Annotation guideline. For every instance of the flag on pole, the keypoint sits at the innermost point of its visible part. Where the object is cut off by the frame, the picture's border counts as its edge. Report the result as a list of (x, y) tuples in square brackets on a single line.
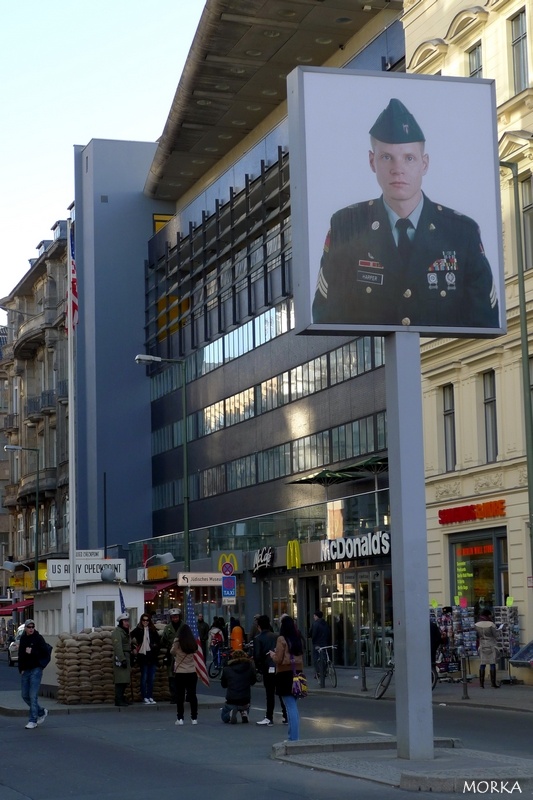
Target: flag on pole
[(122, 603), (199, 659), (72, 315)]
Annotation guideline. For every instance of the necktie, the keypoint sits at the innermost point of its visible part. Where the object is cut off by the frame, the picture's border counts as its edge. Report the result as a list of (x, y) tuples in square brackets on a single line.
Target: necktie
[(404, 243)]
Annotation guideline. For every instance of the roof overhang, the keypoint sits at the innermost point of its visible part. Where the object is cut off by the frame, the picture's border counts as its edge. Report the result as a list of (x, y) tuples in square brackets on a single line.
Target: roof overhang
[(235, 76)]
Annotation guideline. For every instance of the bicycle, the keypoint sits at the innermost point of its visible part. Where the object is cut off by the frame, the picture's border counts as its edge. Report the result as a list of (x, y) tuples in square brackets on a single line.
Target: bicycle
[(384, 683), (220, 659), (325, 663)]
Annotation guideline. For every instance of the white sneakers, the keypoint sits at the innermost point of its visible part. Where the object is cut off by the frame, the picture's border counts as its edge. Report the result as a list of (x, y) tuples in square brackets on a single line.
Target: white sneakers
[(264, 721), (179, 722), (40, 720), (146, 701), (30, 726), (194, 721), (149, 701)]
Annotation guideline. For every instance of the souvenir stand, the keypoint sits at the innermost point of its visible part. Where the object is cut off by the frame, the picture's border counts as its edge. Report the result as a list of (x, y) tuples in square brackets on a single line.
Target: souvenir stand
[(456, 624), (510, 634)]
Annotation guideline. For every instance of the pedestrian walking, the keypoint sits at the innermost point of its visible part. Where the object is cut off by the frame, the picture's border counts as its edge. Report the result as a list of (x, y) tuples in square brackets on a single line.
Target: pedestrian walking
[(122, 656), (288, 657), (146, 644), (183, 651), (238, 677), (320, 637), (32, 658), (264, 642), (236, 634)]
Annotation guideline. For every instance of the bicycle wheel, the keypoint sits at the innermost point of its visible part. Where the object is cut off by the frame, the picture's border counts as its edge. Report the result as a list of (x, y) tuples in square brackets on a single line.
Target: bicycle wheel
[(214, 669), (331, 674), (434, 677), (383, 685)]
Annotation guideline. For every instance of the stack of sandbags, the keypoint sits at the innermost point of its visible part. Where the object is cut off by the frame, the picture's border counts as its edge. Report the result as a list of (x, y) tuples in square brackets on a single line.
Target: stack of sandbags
[(84, 664)]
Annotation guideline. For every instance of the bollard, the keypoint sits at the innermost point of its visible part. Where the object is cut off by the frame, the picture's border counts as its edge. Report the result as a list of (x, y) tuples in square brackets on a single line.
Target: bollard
[(463, 678), (363, 675)]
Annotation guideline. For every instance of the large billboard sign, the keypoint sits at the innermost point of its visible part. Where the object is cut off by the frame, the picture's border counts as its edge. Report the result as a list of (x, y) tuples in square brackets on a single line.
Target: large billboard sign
[(396, 219)]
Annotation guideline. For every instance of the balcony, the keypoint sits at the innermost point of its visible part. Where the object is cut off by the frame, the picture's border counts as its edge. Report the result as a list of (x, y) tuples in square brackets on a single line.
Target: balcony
[(62, 391), (33, 408), (11, 422), (48, 401), (10, 495)]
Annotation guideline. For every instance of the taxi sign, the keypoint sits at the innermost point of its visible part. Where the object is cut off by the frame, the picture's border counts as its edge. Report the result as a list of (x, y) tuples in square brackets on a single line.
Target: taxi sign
[(229, 589)]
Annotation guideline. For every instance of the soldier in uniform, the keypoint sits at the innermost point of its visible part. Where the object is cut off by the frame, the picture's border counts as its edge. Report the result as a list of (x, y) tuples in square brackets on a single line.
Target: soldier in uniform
[(402, 259)]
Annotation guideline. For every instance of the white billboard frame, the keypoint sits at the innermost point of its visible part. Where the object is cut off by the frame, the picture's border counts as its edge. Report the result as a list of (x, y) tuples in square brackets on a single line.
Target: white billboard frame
[(330, 114)]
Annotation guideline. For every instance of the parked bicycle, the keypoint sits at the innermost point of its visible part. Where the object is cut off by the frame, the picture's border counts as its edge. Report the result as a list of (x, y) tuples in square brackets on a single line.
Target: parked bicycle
[(384, 683), (220, 659), (325, 663)]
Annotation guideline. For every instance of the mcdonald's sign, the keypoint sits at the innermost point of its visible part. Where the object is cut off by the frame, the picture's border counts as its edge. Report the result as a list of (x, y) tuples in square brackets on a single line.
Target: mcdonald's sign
[(294, 554), (228, 558)]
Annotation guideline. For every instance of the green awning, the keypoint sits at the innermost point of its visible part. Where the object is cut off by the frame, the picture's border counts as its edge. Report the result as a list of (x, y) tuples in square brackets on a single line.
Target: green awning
[(373, 465)]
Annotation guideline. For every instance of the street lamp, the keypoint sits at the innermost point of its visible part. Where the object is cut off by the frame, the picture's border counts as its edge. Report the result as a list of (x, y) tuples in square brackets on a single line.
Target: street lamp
[(145, 359), (9, 448)]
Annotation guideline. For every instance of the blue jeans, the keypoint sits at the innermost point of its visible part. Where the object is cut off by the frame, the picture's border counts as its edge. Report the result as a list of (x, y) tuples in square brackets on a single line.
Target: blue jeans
[(30, 683), (293, 716), (147, 680)]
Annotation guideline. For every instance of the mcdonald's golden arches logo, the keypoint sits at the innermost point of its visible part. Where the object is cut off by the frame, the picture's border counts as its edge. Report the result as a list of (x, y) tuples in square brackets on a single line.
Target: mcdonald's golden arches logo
[(294, 554), (229, 558)]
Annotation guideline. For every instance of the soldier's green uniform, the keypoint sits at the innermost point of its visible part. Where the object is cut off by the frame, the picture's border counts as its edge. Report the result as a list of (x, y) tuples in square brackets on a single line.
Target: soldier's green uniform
[(443, 280), (446, 283)]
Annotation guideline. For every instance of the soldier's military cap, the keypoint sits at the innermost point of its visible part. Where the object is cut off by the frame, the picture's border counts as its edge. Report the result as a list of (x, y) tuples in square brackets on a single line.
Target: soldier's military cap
[(396, 125)]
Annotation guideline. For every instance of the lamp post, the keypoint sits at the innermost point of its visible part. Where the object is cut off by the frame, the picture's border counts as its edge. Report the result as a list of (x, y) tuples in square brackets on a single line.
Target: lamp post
[(146, 359), (16, 448)]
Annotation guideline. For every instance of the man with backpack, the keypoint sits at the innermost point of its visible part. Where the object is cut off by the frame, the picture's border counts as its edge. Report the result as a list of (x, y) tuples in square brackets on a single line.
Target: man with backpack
[(265, 641)]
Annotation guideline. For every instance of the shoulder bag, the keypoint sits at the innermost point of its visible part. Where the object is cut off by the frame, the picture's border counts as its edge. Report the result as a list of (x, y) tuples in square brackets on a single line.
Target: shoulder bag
[(299, 682)]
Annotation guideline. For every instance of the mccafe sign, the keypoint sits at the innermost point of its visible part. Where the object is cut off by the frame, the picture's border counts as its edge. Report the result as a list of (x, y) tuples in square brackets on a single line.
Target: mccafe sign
[(370, 544)]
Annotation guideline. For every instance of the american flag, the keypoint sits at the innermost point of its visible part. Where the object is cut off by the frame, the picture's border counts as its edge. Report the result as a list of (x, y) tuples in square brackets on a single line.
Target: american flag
[(122, 603), (199, 659), (73, 292)]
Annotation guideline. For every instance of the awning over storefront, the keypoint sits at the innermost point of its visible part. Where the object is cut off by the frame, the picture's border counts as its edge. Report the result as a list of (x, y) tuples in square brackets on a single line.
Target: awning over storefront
[(150, 592), (8, 610), (327, 477)]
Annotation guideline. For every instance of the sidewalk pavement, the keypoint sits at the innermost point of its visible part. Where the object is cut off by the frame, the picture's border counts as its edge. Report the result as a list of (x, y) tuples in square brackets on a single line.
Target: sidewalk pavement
[(370, 757)]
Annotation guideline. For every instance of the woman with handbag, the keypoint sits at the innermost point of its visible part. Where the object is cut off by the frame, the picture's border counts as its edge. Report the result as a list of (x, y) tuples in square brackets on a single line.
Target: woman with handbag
[(183, 650), (288, 658), (146, 643)]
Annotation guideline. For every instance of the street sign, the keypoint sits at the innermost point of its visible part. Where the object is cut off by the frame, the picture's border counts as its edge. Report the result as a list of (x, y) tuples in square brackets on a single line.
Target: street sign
[(229, 589), (227, 568), (199, 578)]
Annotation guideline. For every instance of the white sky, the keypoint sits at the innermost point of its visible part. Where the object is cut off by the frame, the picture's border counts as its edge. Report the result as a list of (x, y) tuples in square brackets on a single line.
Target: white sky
[(72, 72)]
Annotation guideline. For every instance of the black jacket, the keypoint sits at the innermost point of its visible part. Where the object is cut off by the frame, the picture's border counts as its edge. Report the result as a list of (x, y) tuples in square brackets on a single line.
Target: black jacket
[(152, 656), (447, 282), (238, 676), (263, 642), (35, 643)]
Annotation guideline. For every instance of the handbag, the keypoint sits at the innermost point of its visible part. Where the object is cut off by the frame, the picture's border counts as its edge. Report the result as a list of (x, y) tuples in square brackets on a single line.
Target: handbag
[(299, 682)]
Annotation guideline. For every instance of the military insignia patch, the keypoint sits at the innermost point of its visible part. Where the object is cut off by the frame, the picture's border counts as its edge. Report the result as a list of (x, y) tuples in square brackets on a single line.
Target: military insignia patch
[(432, 281), (370, 264)]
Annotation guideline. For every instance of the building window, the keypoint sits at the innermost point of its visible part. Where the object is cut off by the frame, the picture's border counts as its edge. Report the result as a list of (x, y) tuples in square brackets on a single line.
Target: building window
[(519, 49), (475, 67), (527, 218), (489, 399), (479, 568), (449, 427)]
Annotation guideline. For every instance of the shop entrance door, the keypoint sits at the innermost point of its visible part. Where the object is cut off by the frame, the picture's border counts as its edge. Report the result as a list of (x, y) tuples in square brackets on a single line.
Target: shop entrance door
[(374, 636)]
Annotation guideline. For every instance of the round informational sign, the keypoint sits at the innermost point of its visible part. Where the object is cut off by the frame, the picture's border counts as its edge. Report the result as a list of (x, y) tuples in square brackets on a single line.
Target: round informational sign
[(227, 568)]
